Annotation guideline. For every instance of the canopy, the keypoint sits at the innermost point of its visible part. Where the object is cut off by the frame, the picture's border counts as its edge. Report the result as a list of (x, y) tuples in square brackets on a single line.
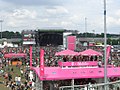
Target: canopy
[(15, 55), (90, 52), (66, 52)]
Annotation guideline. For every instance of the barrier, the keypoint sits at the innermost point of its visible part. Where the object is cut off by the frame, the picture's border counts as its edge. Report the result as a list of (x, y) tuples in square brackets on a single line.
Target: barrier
[(88, 63), (76, 87), (110, 86)]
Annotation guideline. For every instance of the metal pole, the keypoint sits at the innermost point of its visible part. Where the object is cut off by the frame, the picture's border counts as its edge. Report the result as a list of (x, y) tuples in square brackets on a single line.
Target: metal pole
[(41, 85), (105, 46), (85, 27), (119, 39), (93, 35), (1, 28), (72, 84)]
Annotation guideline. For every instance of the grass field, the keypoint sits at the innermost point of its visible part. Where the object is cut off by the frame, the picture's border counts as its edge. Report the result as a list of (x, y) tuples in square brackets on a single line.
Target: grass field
[(16, 71), (3, 87)]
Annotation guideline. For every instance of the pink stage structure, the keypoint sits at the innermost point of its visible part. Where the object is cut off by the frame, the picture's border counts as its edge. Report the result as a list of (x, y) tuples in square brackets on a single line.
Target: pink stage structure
[(73, 70)]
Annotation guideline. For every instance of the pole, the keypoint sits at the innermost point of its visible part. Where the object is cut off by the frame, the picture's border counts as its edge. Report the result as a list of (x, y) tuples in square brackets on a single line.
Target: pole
[(94, 36), (41, 85), (72, 84), (105, 46), (85, 27), (118, 42), (1, 28)]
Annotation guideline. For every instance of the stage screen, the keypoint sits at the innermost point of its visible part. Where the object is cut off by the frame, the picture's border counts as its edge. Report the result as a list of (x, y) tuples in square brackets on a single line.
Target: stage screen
[(53, 38), (28, 37)]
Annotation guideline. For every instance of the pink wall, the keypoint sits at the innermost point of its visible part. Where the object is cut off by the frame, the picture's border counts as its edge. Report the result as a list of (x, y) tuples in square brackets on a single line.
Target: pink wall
[(71, 42), (71, 39)]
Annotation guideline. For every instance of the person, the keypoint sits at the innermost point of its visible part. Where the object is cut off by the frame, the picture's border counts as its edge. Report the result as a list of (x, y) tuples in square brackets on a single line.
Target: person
[(6, 75), (16, 80), (64, 59), (99, 63), (9, 76), (19, 80), (21, 70), (12, 69)]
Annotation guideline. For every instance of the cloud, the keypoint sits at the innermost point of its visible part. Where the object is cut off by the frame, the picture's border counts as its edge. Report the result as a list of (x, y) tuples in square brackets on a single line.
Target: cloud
[(65, 23), (114, 20), (24, 13), (117, 13), (57, 10), (69, 14), (113, 25), (35, 2), (44, 20), (111, 21), (76, 18), (20, 17)]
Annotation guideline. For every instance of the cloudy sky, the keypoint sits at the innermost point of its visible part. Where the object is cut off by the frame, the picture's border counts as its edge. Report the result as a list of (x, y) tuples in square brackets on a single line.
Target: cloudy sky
[(65, 14)]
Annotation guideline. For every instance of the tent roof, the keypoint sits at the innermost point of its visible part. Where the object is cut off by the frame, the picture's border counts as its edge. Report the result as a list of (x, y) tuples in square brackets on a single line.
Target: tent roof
[(90, 52), (66, 52)]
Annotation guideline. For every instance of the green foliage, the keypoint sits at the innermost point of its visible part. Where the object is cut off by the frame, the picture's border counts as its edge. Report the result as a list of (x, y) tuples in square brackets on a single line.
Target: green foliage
[(113, 41), (96, 35), (11, 34)]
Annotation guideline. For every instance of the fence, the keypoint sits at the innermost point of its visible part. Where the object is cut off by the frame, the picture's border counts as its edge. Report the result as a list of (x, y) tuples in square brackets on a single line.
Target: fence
[(110, 86)]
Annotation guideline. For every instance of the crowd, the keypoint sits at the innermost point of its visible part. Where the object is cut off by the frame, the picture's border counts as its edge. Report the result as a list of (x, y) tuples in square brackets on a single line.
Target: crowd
[(16, 77), (26, 79)]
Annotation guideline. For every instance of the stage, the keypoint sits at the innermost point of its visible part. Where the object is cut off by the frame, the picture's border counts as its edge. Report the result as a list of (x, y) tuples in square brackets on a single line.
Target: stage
[(58, 73)]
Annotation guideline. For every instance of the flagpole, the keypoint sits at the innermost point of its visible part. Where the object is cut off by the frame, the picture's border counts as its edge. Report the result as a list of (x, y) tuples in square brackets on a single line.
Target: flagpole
[(105, 46)]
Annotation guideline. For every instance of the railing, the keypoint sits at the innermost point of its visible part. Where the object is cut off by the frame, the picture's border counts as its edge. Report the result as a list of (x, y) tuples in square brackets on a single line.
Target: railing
[(110, 86), (75, 87), (85, 63)]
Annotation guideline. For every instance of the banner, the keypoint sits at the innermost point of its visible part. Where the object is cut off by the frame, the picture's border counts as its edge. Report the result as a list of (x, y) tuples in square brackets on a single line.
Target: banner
[(108, 53), (30, 56), (41, 62)]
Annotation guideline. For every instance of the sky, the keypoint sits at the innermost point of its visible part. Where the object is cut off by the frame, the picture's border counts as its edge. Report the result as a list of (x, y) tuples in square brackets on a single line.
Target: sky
[(18, 15)]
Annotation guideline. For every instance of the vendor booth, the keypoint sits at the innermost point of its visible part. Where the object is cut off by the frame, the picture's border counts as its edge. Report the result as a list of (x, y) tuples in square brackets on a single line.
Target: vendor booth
[(15, 58)]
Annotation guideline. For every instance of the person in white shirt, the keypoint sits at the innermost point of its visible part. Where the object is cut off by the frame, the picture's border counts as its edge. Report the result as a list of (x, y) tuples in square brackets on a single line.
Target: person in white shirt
[(99, 63), (16, 80), (19, 80)]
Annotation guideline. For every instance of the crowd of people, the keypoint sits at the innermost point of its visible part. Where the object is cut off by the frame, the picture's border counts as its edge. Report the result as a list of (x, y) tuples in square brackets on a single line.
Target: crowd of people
[(16, 77), (26, 79)]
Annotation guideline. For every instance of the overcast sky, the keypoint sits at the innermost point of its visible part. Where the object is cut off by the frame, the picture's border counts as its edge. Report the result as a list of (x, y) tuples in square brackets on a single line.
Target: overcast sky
[(64, 14)]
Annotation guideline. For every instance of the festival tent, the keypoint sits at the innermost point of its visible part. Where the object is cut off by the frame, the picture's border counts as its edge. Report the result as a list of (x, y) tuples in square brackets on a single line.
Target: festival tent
[(66, 52), (90, 52), (15, 55)]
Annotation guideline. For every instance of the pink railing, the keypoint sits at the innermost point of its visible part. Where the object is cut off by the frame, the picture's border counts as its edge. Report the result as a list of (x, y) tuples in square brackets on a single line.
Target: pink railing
[(87, 63)]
